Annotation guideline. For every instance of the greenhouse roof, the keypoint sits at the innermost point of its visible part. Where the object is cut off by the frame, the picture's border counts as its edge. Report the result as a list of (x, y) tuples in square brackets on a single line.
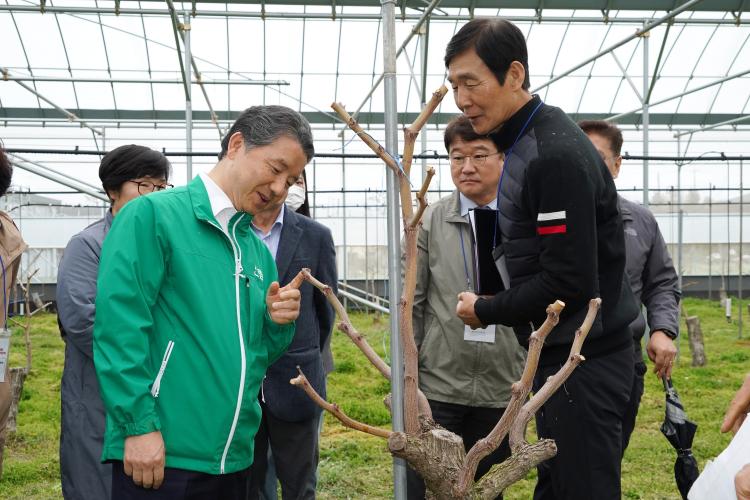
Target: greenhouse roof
[(105, 69)]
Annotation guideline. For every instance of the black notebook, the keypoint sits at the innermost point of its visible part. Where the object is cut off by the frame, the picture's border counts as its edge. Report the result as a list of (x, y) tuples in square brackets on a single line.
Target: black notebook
[(489, 281)]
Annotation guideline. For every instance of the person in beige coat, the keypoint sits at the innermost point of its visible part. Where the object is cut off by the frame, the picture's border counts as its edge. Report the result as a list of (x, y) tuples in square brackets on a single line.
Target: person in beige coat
[(11, 248), (466, 374)]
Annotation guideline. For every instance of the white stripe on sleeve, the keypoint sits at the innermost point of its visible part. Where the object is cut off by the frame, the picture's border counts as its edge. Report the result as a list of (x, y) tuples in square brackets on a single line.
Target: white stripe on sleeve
[(545, 216)]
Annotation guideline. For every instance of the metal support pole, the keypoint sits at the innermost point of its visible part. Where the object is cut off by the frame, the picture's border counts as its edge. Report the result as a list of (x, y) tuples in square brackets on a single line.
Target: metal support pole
[(644, 117), (188, 97), (314, 211), (60, 179), (710, 240), (646, 27), (53, 171), (733, 121), (425, 15), (679, 219), (71, 116), (394, 237), (150, 81), (344, 211), (739, 271), (357, 16)]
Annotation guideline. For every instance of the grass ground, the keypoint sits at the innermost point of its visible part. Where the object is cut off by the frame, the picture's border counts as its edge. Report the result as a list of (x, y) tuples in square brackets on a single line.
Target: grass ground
[(355, 465)]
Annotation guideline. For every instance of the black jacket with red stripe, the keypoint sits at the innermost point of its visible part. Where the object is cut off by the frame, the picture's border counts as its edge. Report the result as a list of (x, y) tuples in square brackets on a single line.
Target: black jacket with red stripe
[(561, 234)]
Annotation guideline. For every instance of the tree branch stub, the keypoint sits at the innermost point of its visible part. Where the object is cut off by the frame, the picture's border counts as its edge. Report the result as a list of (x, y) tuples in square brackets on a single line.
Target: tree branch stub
[(345, 326), (301, 381), (519, 391)]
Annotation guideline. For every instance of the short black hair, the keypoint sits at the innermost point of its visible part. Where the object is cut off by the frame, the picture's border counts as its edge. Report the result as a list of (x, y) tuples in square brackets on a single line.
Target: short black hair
[(304, 209), (608, 130), (262, 125), (6, 171), (496, 41), (131, 162), (460, 128)]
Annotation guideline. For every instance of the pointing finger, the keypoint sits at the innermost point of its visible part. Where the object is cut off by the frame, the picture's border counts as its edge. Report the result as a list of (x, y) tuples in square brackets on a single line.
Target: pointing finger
[(296, 282), (273, 289)]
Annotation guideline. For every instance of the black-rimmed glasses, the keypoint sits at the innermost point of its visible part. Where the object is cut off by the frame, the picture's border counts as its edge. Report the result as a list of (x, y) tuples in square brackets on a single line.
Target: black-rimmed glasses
[(146, 187), (476, 160)]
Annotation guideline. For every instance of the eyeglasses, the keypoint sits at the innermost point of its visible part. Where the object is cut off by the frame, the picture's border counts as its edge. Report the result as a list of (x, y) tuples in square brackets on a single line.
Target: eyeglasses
[(476, 160), (146, 187)]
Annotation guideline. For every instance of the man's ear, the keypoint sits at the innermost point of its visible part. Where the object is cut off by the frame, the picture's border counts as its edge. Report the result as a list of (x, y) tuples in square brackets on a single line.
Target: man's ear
[(235, 145), (515, 75), (618, 164)]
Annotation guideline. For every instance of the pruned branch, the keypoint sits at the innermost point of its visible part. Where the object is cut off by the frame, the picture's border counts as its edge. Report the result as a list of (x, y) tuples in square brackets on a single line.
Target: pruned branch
[(519, 392), (518, 430), (345, 326), (301, 381), (515, 468), (412, 131), (390, 161), (366, 138), (422, 198)]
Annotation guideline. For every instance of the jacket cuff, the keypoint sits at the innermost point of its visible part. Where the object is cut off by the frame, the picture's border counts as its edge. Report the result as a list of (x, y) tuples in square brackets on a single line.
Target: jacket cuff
[(151, 423), (483, 310), (667, 331)]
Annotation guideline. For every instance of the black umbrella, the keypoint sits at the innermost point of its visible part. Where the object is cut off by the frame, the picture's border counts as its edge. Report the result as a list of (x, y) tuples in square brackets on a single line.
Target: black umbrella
[(680, 432)]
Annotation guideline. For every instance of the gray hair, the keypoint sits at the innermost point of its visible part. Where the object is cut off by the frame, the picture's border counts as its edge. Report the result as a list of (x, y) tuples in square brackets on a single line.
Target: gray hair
[(262, 125)]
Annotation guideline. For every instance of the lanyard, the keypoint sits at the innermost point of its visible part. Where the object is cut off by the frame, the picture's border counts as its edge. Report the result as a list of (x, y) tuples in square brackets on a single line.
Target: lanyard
[(508, 153), (463, 251)]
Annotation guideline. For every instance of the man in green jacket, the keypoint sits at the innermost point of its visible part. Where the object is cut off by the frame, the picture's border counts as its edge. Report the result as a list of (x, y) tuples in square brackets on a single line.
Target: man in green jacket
[(466, 374), (190, 315)]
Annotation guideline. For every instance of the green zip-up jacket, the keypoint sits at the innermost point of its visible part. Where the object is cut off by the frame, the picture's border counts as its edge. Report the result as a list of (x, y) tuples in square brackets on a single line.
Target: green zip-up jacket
[(182, 335)]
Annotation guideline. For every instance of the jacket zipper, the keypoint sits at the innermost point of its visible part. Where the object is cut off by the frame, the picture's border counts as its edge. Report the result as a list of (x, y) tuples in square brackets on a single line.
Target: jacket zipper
[(157, 381), (237, 274)]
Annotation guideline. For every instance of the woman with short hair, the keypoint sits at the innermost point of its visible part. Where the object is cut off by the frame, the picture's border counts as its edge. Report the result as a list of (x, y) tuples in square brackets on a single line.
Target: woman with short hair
[(126, 173)]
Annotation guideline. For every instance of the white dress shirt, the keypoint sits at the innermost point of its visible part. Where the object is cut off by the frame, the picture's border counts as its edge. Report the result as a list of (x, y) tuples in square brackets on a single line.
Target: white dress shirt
[(221, 205)]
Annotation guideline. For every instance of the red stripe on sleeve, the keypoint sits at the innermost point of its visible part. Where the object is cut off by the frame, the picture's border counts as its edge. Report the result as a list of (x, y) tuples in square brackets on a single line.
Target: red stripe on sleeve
[(562, 228)]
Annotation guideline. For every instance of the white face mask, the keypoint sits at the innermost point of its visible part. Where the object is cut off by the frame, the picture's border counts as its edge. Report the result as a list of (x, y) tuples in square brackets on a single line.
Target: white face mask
[(295, 198)]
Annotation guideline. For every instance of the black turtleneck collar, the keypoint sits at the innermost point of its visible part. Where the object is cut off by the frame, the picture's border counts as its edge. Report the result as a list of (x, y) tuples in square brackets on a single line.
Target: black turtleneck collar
[(507, 133)]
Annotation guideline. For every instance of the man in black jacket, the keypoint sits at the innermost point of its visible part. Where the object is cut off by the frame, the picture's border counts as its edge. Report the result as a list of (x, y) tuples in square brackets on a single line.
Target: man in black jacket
[(561, 237)]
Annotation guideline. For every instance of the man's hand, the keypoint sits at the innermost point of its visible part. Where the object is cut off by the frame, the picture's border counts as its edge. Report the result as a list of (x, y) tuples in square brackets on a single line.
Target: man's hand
[(738, 408), (742, 483), (144, 459), (662, 351), (465, 309), (283, 303)]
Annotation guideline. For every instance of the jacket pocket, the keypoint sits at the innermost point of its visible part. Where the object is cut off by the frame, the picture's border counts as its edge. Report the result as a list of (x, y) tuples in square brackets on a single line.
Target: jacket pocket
[(164, 361)]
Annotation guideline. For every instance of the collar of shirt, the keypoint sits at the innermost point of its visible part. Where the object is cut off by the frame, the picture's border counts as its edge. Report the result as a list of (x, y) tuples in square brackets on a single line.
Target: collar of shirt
[(221, 205), (273, 236), (278, 223), (466, 204)]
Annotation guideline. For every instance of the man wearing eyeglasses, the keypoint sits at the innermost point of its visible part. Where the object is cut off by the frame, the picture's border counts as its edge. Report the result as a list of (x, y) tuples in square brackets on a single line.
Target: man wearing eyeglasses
[(650, 271), (465, 373)]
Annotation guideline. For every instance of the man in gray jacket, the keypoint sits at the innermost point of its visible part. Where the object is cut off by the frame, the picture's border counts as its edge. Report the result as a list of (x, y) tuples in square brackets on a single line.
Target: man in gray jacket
[(650, 273), (466, 374)]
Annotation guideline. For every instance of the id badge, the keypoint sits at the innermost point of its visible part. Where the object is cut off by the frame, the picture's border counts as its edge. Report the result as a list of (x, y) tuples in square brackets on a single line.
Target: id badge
[(486, 334), (4, 351)]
